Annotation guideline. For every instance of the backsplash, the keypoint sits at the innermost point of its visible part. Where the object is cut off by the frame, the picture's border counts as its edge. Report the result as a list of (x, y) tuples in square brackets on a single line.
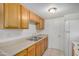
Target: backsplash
[(10, 33)]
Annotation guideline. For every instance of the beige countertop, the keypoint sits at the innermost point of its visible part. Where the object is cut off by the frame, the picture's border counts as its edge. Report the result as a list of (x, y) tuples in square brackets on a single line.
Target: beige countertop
[(12, 49)]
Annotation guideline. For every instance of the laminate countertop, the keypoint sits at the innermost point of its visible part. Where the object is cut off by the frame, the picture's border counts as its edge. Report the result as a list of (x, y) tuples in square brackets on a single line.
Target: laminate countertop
[(11, 48)]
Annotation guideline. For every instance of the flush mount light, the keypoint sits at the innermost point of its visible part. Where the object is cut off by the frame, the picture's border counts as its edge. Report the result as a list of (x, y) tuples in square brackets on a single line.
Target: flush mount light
[(52, 10)]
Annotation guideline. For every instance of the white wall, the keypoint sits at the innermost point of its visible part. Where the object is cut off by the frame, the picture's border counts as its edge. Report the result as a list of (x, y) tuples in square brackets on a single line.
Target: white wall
[(72, 31)]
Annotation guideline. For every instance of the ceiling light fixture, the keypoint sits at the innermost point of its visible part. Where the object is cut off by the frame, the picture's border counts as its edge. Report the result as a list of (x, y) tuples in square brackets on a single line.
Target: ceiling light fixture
[(52, 10)]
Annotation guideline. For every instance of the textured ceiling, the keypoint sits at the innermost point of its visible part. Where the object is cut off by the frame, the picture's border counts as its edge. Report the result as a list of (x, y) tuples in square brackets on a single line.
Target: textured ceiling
[(62, 9)]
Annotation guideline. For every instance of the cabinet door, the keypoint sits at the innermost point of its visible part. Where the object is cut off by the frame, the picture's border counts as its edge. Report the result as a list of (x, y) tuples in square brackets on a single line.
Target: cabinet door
[(1, 16), (25, 17), (40, 24), (31, 51), (22, 53), (42, 46), (33, 17), (38, 49), (46, 43), (12, 15)]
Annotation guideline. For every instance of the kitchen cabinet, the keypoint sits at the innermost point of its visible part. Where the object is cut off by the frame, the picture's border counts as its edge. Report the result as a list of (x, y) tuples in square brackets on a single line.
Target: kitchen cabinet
[(33, 17), (36, 49), (46, 43), (22, 53), (31, 51), (41, 46), (24, 17), (12, 15), (1, 16), (37, 20), (16, 16), (40, 24)]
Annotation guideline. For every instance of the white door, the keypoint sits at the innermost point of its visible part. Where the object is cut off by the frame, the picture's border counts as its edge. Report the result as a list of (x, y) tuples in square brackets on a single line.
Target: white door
[(56, 33)]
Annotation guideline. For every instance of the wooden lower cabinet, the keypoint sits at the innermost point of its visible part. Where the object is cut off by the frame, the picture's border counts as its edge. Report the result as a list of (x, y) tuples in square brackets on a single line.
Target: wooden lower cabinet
[(22, 53), (42, 46), (46, 43), (31, 50), (36, 49)]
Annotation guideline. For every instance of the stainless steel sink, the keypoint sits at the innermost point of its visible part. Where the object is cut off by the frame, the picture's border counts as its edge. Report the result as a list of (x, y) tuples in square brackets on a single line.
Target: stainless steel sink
[(35, 38)]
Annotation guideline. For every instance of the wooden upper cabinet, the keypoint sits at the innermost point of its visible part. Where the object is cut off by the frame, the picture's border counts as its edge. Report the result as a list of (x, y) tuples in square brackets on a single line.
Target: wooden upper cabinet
[(37, 20), (1, 16), (37, 26), (16, 16), (33, 17), (12, 15), (40, 24), (24, 17)]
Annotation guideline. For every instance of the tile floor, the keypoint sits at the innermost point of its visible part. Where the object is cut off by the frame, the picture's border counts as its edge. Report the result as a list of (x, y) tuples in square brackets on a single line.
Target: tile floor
[(53, 52)]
